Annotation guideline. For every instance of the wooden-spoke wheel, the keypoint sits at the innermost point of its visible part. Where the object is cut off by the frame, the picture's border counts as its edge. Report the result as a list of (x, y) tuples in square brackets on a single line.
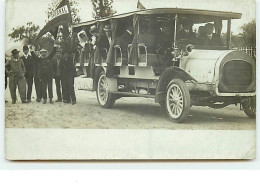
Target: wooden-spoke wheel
[(105, 99), (177, 100)]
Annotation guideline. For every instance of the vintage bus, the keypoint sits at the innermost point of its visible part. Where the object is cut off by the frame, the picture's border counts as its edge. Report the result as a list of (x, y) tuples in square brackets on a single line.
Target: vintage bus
[(179, 57)]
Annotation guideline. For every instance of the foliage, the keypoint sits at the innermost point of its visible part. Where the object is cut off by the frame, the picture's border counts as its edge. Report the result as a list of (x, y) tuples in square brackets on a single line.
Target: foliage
[(249, 33), (246, 38), (73, 7), (25, 33), (102, 8)]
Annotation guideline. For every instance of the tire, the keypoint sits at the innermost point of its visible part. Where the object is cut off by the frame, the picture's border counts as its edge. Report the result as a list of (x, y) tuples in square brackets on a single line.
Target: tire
[(249, 106), (177, 101), (105, 99)]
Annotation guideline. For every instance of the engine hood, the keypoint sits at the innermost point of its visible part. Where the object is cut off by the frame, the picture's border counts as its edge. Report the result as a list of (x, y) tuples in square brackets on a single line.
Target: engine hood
[(203, 65)]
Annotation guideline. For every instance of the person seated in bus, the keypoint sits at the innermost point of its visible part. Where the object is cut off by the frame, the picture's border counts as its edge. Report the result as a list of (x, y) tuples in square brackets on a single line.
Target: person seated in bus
[(104, 41), (149, 37), (94, 33), (216, 37), (124, 40), (185, 34), (165, 39), (202, 35), (209, 38), (166, 42), (108, 33)]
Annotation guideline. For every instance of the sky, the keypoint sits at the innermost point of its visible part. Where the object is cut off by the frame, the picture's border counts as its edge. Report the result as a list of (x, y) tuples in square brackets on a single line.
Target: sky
[(19, 12)]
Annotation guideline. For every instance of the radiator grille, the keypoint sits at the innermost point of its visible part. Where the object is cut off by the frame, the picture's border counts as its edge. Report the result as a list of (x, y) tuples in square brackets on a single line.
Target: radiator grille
[(236, 76)]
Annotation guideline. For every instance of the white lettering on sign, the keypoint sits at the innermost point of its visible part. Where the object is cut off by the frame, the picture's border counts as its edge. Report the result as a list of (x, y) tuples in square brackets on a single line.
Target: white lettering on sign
[(61, 11)]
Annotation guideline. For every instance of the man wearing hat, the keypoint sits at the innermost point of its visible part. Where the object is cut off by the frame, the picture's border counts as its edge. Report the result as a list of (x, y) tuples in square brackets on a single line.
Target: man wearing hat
[(93, 31), (29, 66), (57, 74), (67, 70), (45, 73), (108, 33), (16, 70), (37, 81)]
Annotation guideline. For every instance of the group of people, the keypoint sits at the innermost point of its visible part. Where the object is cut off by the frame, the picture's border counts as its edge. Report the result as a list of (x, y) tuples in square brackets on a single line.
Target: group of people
[(37, 67), (204, 37)]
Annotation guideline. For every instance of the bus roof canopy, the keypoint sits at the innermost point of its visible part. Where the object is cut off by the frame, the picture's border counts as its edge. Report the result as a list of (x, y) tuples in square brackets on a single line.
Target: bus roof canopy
[(191, 12)]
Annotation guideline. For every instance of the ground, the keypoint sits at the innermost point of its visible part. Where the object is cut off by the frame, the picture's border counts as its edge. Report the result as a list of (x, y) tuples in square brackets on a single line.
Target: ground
[(128, 113)]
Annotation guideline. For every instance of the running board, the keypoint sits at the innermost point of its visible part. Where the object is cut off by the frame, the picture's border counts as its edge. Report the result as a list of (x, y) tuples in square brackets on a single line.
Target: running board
[(129, 94)]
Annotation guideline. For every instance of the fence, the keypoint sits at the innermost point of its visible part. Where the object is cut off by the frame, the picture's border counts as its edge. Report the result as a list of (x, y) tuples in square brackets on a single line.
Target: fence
[(249, 50)]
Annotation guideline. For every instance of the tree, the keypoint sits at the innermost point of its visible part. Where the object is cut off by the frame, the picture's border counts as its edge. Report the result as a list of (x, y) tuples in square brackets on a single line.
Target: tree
[(25, 33), (73, 7), (246, 38), (102, 8), (249, 33)]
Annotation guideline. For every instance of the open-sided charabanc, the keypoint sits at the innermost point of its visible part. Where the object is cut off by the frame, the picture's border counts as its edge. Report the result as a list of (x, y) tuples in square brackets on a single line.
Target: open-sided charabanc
[(179, 57)]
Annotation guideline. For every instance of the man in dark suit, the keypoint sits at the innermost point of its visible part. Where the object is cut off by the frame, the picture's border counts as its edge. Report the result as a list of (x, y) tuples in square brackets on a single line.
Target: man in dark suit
[(57, 75), (37, 81), (67, 78), (45, 72), (29, 66)]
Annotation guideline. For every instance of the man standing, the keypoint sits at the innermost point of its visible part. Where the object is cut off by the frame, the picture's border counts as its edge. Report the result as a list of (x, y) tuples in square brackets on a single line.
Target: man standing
[(37, 81), (45, 72), (56, 67), (29, 66), (16, 70), (67, 78)]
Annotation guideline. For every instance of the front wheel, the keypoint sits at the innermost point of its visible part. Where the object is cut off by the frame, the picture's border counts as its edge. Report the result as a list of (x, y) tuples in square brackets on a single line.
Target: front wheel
[(249, 106), (105, 99), (177, 101)]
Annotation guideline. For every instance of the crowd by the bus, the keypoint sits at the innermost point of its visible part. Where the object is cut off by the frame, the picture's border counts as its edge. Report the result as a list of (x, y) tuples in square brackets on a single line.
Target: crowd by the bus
[(36, 66), (158, 38)]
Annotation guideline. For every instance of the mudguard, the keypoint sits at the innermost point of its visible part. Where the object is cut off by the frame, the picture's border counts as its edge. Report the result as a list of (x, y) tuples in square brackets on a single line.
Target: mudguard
[(169, 74)]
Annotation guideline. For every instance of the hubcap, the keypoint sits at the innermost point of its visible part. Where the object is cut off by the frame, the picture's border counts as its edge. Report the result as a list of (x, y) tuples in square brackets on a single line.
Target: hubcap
[(103, 89), (174, 101)]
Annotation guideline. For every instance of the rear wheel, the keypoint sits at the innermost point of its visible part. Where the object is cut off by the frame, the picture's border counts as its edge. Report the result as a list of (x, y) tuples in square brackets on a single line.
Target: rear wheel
[(105, 99), (249, 106), (177, 102)]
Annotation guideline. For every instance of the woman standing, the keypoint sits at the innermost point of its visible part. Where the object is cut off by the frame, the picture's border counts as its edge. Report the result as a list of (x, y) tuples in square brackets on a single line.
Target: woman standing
[(67, 72)]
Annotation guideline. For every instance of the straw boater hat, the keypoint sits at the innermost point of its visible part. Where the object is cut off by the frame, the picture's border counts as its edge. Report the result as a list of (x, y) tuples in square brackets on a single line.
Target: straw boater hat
[(14, 51), (93, 29), (107, 28), (43, 50)]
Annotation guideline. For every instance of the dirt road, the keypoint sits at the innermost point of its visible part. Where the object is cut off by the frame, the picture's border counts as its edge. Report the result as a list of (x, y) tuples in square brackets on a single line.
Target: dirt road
[(128, 113)]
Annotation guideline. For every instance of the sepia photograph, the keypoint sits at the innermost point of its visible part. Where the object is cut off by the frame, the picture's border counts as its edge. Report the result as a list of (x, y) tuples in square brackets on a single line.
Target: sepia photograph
[(130, 79)]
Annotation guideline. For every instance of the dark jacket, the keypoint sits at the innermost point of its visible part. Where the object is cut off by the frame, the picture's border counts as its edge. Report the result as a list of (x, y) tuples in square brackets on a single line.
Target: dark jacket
[(15, 68), (67, 68), (56, 67), (29, 66), (44, 65)]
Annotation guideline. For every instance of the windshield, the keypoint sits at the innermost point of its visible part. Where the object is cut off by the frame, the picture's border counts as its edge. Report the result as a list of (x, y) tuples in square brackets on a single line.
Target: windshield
[(206, 35)]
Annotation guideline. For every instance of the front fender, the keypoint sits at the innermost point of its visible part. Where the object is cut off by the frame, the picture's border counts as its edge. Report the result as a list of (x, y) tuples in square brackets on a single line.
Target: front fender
[(165, 78)]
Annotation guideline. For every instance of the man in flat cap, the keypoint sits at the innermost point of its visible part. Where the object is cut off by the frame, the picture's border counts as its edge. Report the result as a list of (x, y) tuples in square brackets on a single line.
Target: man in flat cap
[(45, 73), (29, 66), (16, 70)]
